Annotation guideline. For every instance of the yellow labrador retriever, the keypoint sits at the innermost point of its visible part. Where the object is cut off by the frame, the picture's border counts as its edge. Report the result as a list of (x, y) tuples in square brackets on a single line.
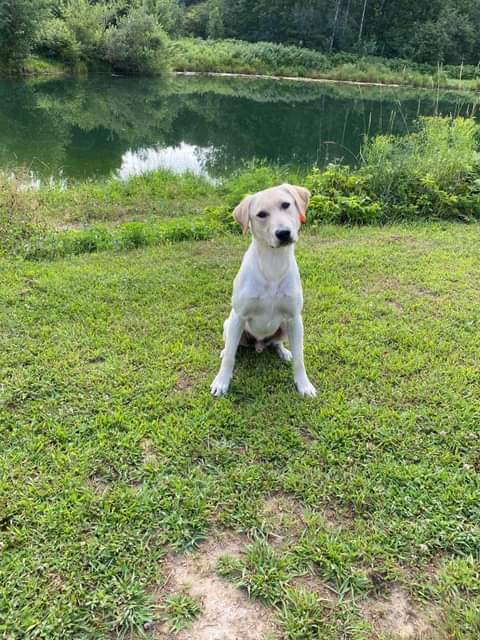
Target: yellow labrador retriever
[(267, 292)]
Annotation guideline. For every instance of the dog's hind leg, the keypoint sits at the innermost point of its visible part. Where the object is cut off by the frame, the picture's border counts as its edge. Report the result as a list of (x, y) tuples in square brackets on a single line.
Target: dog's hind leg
[(283, 353), (277, 345)]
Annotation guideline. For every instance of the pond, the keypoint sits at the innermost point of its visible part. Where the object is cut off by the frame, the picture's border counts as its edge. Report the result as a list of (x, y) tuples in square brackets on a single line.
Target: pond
[(79, 128)]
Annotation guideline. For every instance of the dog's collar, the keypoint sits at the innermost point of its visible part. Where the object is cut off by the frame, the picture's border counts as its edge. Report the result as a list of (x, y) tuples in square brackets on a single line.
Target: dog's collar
[(303, 218)]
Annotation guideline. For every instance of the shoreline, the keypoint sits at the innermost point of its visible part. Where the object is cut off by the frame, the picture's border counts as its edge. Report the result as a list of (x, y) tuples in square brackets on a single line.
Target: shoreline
[(358, 83), (67, 72), (259, 76)]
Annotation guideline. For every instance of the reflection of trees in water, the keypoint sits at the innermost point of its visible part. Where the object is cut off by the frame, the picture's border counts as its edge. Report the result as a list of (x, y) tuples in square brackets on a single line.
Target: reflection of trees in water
[(29, 135), (86, 125)]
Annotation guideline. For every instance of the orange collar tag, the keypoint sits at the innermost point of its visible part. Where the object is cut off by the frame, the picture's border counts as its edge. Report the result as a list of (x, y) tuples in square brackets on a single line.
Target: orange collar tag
[(303, 218)]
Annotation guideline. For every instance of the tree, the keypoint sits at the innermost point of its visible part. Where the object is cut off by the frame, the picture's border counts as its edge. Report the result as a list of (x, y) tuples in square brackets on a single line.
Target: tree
[(137, 44), (215, 28), (20, 21), (169, 13)]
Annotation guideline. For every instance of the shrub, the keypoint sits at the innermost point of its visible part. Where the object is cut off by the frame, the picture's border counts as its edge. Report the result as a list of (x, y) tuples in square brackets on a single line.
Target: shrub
[(56, 40), (168, 13), (430, 173), (87, 23), (137, 44), (20, 21), (341, 196)]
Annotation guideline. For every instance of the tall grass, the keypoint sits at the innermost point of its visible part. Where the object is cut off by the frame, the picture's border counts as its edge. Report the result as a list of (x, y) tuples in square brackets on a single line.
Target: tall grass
[(266, 58), (19, 215)]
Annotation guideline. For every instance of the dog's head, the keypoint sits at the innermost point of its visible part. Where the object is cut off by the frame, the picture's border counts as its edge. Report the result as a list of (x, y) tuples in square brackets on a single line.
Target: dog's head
[(274, 215)]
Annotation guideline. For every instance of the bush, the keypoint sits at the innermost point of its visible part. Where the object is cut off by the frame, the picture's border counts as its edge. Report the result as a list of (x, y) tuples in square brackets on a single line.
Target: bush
[(56, 40), (137, 44), (168, 13), (341, 196), (87, 23), (431, 173), (20, 21)]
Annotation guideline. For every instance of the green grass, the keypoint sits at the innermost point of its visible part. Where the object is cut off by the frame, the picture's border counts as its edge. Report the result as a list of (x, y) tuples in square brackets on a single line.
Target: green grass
[(266, 58), (161, 194), (38, 66), (114, 453), (180, 611)]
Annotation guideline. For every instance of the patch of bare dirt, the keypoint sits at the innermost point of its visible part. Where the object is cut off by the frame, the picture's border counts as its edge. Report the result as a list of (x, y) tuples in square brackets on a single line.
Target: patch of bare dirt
[(406, 239), (70, 226), (383, 283), (395, 305), (98, 485), (337, 518), (397, 617), (227, 612), (285, 518), (315, 585), (183, 384), (423, 292), (149, 455)]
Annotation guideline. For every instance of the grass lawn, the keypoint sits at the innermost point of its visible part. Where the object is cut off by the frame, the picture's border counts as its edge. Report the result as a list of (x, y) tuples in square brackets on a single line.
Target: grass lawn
[(126, 490)]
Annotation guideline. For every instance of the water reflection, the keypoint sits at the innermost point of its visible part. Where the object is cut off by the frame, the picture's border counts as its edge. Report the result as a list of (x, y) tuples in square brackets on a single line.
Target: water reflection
[(179, 159), (100, 126)]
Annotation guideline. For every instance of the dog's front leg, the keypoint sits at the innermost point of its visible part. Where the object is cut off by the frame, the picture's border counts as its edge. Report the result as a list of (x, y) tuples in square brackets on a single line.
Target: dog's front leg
[(295, 337), (233, 334)]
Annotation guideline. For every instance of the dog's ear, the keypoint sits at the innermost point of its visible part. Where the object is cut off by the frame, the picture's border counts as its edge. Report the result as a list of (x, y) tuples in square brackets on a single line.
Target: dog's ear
[(301, 196), (241, 213)]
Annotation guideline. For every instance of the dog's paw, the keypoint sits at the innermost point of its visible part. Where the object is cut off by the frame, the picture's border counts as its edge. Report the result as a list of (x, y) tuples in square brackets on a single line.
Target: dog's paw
[(284, 354), (305, 388), (219, 386)]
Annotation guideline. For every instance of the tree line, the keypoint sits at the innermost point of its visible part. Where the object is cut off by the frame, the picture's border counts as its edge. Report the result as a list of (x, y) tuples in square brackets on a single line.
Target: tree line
[(131, 35)]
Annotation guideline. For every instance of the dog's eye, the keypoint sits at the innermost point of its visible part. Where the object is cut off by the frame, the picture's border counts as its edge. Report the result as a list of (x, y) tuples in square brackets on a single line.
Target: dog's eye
[(285, 205), (262, 214)]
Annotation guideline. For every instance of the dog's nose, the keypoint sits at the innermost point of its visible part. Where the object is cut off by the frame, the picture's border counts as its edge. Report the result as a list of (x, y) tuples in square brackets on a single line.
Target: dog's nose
[(283, 235)]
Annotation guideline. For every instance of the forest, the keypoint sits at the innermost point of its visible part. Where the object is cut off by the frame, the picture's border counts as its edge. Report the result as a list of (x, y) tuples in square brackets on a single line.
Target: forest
[(133, 35)]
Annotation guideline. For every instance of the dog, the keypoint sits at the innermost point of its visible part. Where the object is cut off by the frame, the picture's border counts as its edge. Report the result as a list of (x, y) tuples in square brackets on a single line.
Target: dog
[(267, 296)]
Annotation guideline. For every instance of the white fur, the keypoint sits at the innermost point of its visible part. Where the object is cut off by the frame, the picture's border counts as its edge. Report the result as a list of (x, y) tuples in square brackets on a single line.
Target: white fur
[(267, 292)]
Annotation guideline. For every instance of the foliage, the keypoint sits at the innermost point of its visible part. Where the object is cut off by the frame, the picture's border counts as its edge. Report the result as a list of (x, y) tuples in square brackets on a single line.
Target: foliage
[(19, 219), (436, 33), (196, 19), (130, 39), (215, 26), (431, 173), (136, 44), (168, 13), (20, 21), (87, 22), (56, 40)]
